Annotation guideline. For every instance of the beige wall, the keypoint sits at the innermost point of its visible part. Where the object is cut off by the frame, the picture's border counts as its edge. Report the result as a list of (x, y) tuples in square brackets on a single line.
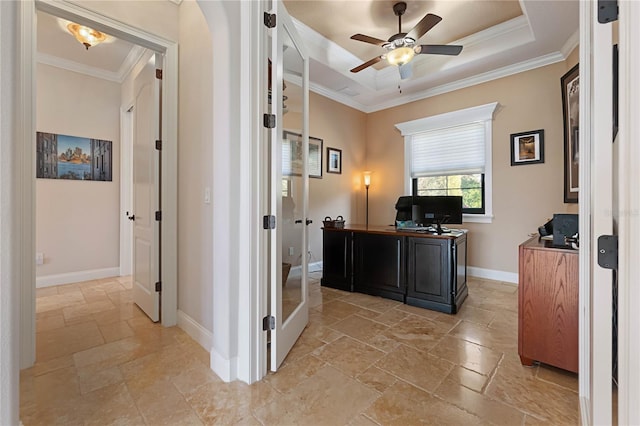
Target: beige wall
[(523, 196), (344, 128), (77, 222), (195, 171)]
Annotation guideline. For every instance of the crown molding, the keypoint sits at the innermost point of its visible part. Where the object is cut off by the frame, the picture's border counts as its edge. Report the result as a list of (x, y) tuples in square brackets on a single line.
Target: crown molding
[(73, 66), (523, 66), (134, 56), (572, 42)]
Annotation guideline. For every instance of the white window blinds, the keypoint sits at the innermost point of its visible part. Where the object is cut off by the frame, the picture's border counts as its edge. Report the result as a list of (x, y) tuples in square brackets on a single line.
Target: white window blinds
[(287, 167), (449, 151)]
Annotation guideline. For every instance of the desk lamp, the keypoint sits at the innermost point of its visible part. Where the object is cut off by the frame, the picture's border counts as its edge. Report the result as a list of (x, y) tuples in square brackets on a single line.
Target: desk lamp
[(367, 182)]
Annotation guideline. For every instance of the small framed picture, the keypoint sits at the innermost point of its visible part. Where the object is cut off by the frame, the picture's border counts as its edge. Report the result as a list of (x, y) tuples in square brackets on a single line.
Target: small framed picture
[(334, 160), (527, 147)]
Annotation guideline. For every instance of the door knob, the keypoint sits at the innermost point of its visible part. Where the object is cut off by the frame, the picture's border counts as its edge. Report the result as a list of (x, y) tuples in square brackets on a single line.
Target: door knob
[(132, 217), (309, 222), (298, 221)]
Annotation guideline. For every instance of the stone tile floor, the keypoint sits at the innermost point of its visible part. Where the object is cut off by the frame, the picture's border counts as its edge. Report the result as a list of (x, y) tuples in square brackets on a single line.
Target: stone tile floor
[(362, 360)]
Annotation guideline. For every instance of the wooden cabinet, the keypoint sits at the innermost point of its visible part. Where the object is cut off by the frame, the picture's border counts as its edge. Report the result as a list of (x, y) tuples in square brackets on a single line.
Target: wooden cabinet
[(337, 251), (437, 273), (548, 305), (379, 265), (419, 269)]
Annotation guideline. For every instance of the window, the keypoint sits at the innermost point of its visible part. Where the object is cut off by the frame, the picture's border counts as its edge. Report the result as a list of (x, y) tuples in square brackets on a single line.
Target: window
[(469, 186), (450, 154)]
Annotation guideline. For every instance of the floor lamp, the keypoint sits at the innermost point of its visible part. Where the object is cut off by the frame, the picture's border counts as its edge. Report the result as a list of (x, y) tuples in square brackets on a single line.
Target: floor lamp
[(367, 182)]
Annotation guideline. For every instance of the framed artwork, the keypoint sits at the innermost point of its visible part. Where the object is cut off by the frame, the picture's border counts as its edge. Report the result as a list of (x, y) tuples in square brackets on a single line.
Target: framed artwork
[(292, 155), (334, 160), (570, 83), (73, 157), (527, 147)]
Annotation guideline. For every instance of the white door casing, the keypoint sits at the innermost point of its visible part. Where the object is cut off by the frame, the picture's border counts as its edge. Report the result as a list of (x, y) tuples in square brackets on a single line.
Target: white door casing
[(629, 217), (126, 197), (146, 176), (596, 218), (287, 330)]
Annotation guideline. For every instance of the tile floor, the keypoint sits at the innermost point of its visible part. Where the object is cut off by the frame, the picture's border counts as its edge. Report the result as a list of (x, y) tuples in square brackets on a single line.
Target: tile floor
[(362, 360)]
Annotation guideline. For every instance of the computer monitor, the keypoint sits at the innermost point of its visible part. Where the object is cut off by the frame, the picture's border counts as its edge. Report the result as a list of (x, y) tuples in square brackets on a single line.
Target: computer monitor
[(403, 208), (436, 210)]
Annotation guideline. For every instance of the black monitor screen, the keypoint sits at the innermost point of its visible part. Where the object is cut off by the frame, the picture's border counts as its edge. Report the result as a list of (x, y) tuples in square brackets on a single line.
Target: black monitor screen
[(403, 208), (438, 209)]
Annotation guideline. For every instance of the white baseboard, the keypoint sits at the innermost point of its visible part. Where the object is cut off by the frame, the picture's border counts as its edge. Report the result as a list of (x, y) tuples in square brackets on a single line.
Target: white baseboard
[(75, 277), (195, 330), (492, 274), (226, 369)]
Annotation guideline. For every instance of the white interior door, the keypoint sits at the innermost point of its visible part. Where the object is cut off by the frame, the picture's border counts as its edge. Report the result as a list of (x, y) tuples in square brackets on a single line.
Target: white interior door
[(146, 187), (289, 183), (597, 191)]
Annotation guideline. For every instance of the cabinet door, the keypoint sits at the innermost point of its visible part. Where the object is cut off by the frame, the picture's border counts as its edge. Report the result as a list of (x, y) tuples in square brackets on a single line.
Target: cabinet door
[(548, 307), (379, 265), (460, 277), (429, 270), (336, 260)]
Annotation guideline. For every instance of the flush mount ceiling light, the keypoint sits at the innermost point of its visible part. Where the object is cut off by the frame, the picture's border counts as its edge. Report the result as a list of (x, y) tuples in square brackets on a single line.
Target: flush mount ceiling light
[(85, 35)]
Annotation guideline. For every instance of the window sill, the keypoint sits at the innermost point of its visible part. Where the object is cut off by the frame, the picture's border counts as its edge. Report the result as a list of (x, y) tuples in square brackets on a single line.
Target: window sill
[(477, 218)]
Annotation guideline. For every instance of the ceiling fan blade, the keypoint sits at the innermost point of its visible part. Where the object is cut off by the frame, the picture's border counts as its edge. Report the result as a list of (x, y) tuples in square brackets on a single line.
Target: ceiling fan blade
[(429, 21), (367, 64), (368, 39), (438, 49), (406, 71)]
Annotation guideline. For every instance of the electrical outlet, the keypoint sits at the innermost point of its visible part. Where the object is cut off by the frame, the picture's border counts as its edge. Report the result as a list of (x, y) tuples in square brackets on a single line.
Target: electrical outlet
[(291, 251), (39, 258)]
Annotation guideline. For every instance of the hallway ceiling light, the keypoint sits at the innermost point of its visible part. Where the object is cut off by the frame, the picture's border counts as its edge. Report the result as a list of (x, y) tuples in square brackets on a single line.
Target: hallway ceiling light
[(85, 35)]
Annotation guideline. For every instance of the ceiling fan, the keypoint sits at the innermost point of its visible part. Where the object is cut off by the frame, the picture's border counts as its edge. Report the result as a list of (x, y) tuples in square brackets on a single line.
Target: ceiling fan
[(402, 47)]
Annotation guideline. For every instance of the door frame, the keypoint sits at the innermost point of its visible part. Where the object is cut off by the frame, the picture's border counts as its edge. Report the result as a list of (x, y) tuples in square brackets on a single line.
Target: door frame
[(126, 195), (629, 219), (26, 151), (596, 215)]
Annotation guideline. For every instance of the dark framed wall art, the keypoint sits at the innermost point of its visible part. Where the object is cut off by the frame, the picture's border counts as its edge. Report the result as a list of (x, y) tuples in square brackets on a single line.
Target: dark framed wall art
[(334, 160), (527, 147), (570, 83), (292, 155)]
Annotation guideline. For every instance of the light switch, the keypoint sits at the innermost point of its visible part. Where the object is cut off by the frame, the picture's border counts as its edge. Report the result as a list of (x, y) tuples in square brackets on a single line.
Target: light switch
[(207, 195), (39, 258)]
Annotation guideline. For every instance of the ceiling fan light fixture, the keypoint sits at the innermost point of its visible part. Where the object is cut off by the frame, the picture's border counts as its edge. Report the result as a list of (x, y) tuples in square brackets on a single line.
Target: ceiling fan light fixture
[(85, 35), (400, 56)]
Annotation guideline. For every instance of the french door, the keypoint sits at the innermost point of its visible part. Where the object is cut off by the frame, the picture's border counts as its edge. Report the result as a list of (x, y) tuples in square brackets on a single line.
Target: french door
[(288, 185)]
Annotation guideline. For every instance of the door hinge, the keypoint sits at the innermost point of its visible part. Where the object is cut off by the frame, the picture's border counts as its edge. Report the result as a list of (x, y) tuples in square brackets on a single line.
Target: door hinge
[(607, 11), (608, 251), (159, 286), (159, 74), (269, 121), (159, 215), (159, 145), (269, 20), (269, 323), (269, 222)]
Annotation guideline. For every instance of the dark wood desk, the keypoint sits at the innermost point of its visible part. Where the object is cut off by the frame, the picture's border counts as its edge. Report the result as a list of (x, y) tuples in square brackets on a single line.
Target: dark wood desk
[(548, 305), (420, 269)]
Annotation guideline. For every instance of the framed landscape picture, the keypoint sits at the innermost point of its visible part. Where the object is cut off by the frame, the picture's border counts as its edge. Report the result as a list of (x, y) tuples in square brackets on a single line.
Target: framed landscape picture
[(73, 157)]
